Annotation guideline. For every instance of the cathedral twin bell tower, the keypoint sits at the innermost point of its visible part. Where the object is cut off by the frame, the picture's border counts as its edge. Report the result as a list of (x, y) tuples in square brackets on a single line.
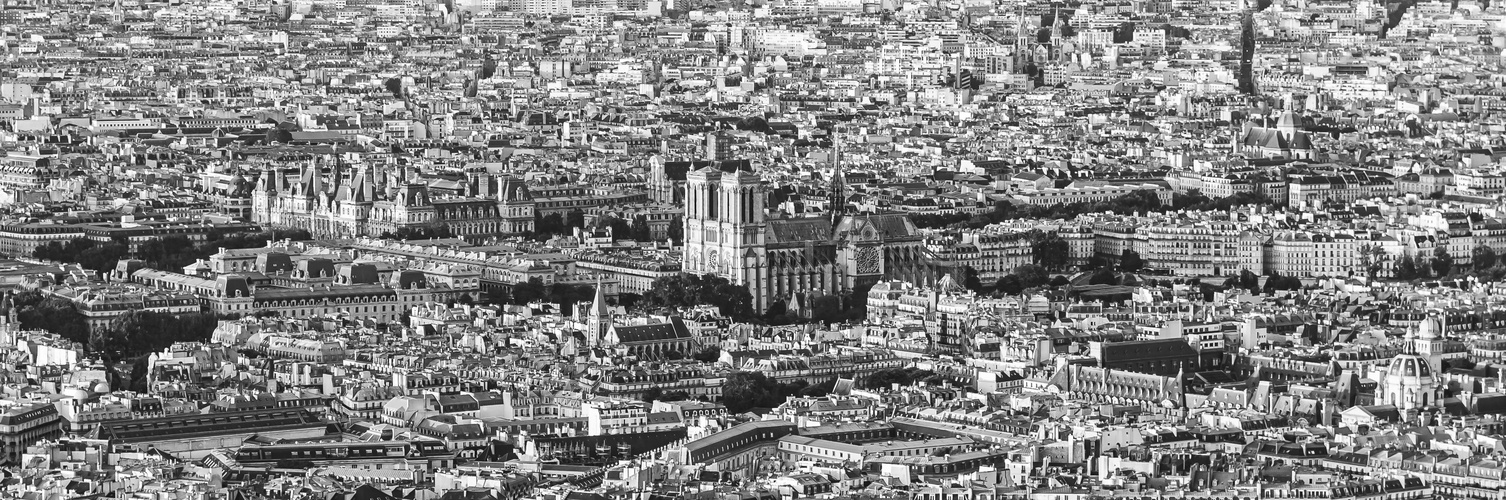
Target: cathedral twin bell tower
[(724, 228), (792, 259)]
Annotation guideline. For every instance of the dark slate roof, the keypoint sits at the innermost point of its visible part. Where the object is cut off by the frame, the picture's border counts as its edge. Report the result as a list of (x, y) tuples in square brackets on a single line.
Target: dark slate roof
[(674, 330), (676, 170), (1147, 350), (888, 226), (793, 230), (1494, 404)]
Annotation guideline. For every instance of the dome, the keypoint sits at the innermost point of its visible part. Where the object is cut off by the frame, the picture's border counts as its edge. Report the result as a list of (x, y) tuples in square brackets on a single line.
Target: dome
[(102, 388), (1430, 327), (1408, 365)]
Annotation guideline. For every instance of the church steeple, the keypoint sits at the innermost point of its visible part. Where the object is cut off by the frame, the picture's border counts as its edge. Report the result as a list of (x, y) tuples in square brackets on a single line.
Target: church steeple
[(1021, 43), (836, 192), (599, 317), (1056, 33)]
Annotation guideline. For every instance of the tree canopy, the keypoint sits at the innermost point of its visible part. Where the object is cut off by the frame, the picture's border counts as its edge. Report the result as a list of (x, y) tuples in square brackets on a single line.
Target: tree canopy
[(1050, 251), (141, 332), (744, 391), (689, 290), (1483, 258), (1442, 262), (1142, 201)]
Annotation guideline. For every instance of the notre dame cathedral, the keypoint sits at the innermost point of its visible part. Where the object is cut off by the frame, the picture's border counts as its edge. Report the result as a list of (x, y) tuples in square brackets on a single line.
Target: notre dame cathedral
[(728, 234)]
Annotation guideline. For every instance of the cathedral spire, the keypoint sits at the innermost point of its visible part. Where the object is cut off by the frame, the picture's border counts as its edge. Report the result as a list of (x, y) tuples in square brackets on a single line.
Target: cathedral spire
[(836, 192), (599, 302), (599, 317), (1021, 43), (1056, 31)]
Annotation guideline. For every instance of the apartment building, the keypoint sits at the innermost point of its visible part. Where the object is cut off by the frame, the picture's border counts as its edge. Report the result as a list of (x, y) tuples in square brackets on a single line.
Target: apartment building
[(1195, 249)]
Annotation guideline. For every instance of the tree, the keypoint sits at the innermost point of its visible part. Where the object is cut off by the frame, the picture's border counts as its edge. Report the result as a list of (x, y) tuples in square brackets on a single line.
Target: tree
[(1270, 283), (1095, 262), (1032, 275), (677, 229), (36, 311), (1010, 285), (621, 229), (488, 67), (568, 295), (1373, 258), (1277, 282), (497, 296), (1059, 281), (970, 279), (826, 309), (628, 300), (884, 378), (528, 292), (170, 252), (278, 135), (1103, 276), (395, 86), (1406, 268), (1125, 33), (708, 354), (1050, 251), (1130, 261), (140, 332), (547, 225), (576, 218), (1180, 201), (755, 124), (652, 394), (640, 229), (687, 290), (1483, 258), (1442, 261), (1249, 281), (102, 258), (744, 391)]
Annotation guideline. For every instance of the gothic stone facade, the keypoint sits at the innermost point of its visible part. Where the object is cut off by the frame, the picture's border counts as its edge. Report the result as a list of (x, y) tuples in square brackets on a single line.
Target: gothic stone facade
[(727, 234)]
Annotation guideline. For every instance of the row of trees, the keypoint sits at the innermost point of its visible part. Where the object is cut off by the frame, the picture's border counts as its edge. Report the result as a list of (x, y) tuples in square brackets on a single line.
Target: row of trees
[(545, 226), (1129, 262), (636, 229), (92, 255), (35, 310), (567, 295), (139, 332), (1026, 277), (177, 251), (689, 290), (824, 309), (744, 391), (902, 376), (170, 252), (433, 230), (1051, 255), (1250, 281), (1484, 261), (1142, 201), (135, 333), (1440, 265), (674, 292)]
